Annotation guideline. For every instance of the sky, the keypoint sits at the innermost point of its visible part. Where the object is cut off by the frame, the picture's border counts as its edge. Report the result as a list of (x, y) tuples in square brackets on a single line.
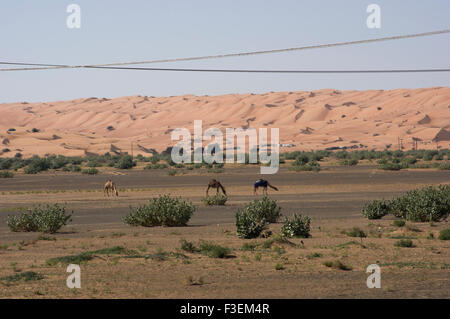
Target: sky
[(116, 31)]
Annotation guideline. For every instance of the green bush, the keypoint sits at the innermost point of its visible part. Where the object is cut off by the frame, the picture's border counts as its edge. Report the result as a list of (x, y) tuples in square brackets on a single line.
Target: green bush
[(216, 200), (48, 219), (37, 165), (264, 208), (376, 209), (444, 234), (6, 174), (356, 232), (248, 224), (214, 251), (423, 205), (297, 226), (164, 210), (391, 167), (188, 246), (399, 223), (408, 243), (90, 171), (348, 162), (444, 166), (311, 166), (126, 162)]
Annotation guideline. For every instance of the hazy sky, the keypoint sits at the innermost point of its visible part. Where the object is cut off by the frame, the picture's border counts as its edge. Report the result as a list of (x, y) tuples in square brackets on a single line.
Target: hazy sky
[(115, 31)]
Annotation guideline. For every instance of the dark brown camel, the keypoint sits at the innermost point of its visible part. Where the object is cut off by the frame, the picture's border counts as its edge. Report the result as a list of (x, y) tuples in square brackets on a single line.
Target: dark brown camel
[(215, 184)]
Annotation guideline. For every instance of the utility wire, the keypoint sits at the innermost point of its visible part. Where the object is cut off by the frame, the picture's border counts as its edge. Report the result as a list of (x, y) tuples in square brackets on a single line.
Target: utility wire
[(271, 71), (206, 57)]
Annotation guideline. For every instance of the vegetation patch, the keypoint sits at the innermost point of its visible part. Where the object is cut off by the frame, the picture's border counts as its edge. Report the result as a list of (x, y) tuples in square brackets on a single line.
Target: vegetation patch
[(24, 276), (408, 243), (297, 226), (87, 255), (444, 234), (6, 174), (48, 219), (337, 264), (216, 200), (161, 211)]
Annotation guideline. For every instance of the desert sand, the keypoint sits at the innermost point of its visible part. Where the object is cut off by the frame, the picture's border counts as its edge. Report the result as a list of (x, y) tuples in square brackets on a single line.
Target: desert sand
[(307, 120)]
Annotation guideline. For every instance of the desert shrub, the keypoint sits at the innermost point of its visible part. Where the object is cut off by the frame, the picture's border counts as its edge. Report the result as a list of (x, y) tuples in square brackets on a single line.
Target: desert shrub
[(399, 223), (421, 205), (59, 162), (188, 246), (444, 234), (93, 163), (216, 170), (337, 264), (37, 165), (264, 208), (248, 224), (408, 243), (213, 250), (429, 154), (6, 163), (6, 174), (301, 160), (6, 150), (308, 167), (11, 130), (35, 130), (172, 172), (25, 276), (444, 166), (126, 162), (297, 226), (376, 209), (48, 219), (348, 162), (216, 200), (161, 211), (391, 166), (356, 232), (90, 171), (407, 161)]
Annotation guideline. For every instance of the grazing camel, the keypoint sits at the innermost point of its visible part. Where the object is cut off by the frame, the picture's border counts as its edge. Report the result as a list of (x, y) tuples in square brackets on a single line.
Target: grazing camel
[(262, 183), (110, 186), (215, 184)]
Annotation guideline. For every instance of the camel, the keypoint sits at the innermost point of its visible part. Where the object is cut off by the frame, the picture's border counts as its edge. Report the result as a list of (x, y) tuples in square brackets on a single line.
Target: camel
[(215, 184), (262, 183), (110, 186)]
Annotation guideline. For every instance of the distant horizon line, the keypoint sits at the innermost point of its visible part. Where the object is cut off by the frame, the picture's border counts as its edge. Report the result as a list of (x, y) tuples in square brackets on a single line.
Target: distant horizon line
[(223, 94)]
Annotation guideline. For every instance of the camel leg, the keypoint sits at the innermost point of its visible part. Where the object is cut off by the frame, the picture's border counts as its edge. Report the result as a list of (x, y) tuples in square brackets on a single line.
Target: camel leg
[(207, 190)]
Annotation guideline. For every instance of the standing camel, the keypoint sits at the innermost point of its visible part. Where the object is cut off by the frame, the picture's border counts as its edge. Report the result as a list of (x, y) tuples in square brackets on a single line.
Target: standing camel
[(215, 184), (262, 183), (110, 186)]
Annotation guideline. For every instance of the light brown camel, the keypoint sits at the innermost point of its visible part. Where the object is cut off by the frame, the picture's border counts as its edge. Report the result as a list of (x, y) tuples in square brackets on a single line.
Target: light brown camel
[(110, 186), (215, 184)]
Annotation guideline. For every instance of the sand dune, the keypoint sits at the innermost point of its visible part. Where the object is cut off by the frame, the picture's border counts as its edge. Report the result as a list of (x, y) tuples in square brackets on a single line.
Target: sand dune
[(309, 120)]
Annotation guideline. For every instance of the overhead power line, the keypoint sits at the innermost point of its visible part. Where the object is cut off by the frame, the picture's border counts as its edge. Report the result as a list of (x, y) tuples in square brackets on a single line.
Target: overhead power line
[(270, 71), (240, 54)]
